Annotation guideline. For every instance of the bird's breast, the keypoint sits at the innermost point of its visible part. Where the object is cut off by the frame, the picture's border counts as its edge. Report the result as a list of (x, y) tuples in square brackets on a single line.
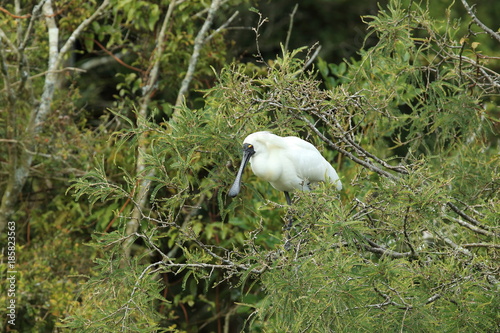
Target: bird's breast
[(266, 168), (278, 171)]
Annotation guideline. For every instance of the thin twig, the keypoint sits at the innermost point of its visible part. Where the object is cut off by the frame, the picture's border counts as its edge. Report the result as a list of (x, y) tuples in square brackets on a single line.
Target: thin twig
[(13, 15), (378, 249), (312, 57), (257, 35), (7, 40), (222, 27), (118, 60), (405, 231), (432, 299), (290, 26)]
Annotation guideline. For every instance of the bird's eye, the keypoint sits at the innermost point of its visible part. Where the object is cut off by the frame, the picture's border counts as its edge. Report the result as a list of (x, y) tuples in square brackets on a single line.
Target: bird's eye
[(250, 146)]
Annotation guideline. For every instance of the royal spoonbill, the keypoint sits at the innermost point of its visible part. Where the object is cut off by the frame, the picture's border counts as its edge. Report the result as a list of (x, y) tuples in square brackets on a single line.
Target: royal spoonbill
[(288, 163)]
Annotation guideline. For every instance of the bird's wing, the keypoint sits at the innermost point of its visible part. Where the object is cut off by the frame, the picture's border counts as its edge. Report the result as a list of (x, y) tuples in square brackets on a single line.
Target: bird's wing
[(309, 163), (299, 143)]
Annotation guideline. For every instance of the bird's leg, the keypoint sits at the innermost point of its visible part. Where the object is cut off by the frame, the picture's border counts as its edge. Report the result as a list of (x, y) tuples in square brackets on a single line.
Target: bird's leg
[(288, 226), (289, 218)]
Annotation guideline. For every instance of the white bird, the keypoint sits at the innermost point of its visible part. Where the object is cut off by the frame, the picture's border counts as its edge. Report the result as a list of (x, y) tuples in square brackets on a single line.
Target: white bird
[(288, 163)]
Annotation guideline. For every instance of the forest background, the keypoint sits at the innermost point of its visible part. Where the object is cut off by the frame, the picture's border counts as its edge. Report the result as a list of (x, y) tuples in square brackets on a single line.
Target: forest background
[(121, 124)]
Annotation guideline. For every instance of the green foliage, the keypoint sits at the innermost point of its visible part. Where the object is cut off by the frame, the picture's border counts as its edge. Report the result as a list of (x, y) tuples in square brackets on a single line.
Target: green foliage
[(134, 287), (47, 275), (400, 255), (389, 253), (410, 243)]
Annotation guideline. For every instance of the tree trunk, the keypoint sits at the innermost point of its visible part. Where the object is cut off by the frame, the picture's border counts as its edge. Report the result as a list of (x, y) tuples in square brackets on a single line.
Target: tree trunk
[(21, 156)]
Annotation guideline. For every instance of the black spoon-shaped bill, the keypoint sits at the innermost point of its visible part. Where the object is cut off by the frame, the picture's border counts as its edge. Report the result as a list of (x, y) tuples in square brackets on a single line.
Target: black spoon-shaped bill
[(248, 151)]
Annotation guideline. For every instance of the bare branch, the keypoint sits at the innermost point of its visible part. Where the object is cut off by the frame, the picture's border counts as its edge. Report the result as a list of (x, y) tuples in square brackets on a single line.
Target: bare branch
[(261, 22), (71, 40), (290, 26), (222, 27), (348, 154), (34, 15), (494, 246), (455, 246), (405, 231), (62, 70), (198, 43), (362, 152), (469, 218), (378, 249), (3, 10), (113, 56), (144, 181), (432, 299), (7, 40), (479, 23), (5, 73), (53, 32), (153, 75), (389, 301), (472, 227), (311, 58), (473, 224)]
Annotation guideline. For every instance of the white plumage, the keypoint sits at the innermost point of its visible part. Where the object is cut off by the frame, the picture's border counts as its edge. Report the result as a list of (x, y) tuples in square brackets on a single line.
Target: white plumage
[(287, 163)]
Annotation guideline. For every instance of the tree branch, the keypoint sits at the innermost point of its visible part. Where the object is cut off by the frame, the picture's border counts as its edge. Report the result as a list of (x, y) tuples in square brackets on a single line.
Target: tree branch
[(222, 27), (27, 34), (472, 227), (144, 181), (479, 23), (74, 35), (7, 40), (198, 43), (311, 58), (3, 10), (494, 246), (432, 299), (5, 71), (116, 58), (335, 146), (346, 137), (348, 154), (290, 26), (153, 74), (20, 166), (378, 249), (469, 218), (455, 246)]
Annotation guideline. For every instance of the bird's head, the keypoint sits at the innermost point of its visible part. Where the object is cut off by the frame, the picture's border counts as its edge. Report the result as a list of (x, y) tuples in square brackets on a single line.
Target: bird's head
[(257, 142), (253, 144), (248, 152)]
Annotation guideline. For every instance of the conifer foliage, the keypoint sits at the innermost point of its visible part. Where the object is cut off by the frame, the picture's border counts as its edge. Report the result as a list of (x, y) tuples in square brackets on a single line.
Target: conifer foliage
[(410, 244)]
